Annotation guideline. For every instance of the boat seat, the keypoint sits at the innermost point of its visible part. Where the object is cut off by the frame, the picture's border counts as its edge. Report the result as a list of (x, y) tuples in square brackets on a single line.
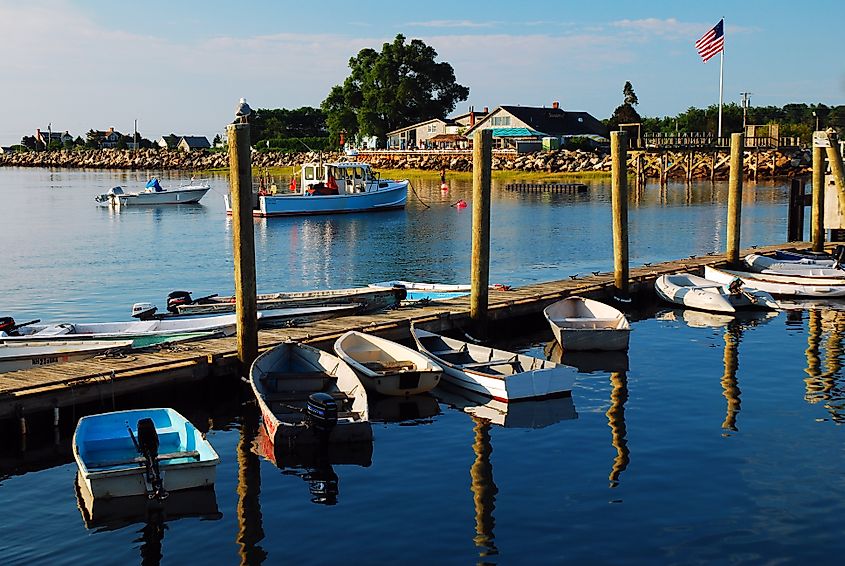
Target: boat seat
[(386, 366), (447, 352), (488, 363), (301, 396), (299, 382)]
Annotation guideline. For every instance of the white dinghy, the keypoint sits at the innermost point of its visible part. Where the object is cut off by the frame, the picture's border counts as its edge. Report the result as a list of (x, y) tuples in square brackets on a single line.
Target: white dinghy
[(28, 354), (786, 285), (704, 293), (502, 375), (579, 323), (387, 367), (802, 267)]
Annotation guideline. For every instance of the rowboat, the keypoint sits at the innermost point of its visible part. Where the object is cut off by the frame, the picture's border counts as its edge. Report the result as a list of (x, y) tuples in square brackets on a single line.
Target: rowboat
[(708, 294), (330, 188), (30, 354), (141, 451), (154, 194), (793, 255), (780, 284), (534, 413), (802, 267), (579, 323), (153, 331), (309, 396), (385, 366), (365, 299), (502, 375), (431, 291)]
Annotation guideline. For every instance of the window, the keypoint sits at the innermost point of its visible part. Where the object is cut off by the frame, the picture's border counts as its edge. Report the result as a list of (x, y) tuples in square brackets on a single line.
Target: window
[(501, 121), (310, 173), (432, 128)]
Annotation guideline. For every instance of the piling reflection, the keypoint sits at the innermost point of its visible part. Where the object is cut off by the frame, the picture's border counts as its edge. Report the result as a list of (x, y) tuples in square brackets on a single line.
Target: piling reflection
[(250, 522), (825, 385), (616, 420), (730, 385), (315, 463), (484, 489)]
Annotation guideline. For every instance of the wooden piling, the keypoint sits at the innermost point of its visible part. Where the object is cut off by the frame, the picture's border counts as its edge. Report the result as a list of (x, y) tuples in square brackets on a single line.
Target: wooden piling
[(482, 166), (795, 213), (734, 199), (619, 201), (834, 160), (817, 226), (240, 179)]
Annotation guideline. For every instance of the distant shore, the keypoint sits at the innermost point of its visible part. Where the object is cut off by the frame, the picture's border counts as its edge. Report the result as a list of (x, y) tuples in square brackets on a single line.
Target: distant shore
[(782, 164)]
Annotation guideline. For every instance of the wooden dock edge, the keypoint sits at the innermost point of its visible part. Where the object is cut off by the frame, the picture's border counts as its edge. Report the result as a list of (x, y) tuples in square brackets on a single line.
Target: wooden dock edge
[(64, 385)]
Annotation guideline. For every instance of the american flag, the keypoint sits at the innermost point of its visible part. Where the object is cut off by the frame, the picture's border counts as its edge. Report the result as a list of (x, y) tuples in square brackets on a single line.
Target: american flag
[(712, 42)]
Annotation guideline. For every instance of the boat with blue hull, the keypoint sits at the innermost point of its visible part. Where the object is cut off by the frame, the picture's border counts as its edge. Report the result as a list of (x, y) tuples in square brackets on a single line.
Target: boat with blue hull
[(141, 451), (331, 188)]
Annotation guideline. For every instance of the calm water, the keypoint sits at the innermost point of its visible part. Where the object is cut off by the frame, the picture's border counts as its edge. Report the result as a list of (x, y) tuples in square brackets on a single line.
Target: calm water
[(718, 444)]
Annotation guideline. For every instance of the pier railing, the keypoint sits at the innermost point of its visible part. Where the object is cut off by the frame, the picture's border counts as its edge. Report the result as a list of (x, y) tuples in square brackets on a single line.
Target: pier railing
[(693, 140)]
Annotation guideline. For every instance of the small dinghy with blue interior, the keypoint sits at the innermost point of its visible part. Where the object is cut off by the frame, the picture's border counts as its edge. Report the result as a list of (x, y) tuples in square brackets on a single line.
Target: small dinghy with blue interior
[(154, 193), (701, 293), (163, 452), (802, 267)]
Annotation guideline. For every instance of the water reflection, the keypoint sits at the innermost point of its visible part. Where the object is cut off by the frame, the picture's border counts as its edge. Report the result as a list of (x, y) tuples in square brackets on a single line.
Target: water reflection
[(407, 411), (484, 489), (702, 319), (250, 523), (616, 420), (314, 464), (825, 386), (521, 414), (730, 385), (586, 361)]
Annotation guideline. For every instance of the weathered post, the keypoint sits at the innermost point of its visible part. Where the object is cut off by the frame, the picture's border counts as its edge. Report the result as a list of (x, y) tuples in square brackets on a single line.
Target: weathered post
[(734, 198), (240, 179), (817, 227), (834, 160), (795, 213), (619, 202), (482, 165)]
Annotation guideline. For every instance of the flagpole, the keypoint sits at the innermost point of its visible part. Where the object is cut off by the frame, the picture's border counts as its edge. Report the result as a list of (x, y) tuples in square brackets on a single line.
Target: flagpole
[(721, 82)]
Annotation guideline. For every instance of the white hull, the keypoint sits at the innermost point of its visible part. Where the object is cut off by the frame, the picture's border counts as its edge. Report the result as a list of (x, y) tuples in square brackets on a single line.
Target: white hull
[(707, 294), (189, 194), (781, 284), (30, 354), (798, 268), (584, 324), (499, 374), (387, 367), (109, 463)]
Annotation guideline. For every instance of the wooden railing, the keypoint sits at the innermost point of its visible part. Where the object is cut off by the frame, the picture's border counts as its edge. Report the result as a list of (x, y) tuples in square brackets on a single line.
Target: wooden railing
[(707, 140)]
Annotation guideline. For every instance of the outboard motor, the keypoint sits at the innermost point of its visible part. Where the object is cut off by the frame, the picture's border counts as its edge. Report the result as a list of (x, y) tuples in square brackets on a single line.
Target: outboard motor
[(7, 324), (148, 447), (144, 311), (839, 255), (322, 412), (177, 299)]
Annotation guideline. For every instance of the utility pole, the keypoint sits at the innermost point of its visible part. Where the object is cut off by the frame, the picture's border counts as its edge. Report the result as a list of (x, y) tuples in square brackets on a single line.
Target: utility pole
[(49, 135), (135, 136), (745, 103)]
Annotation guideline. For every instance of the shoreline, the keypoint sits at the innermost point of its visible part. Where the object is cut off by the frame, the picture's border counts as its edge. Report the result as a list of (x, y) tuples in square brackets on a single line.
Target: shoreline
[(772, 163)]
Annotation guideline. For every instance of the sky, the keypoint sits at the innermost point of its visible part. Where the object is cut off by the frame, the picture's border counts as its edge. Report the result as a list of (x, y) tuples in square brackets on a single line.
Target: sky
[(181, 66)]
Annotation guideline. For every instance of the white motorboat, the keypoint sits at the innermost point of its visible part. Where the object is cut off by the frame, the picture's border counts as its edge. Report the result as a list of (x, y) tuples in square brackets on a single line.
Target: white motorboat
[(707, 294), (154, 194), (801, 267), (141, 451), (30, 354), (579, 323), (784, 285), (417, 291), (387, 367), (502, 375), (330, 188), (308, 396)]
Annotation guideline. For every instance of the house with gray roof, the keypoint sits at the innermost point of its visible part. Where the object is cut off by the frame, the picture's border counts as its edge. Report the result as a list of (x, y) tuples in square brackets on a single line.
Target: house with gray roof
[(193, 143)]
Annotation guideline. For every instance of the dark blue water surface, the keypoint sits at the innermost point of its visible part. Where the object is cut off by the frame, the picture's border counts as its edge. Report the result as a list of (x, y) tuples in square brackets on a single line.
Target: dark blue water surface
[(720, 443)]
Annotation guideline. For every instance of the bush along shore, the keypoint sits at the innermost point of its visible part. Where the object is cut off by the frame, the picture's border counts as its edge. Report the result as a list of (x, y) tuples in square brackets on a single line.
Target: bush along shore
[(768, 163)]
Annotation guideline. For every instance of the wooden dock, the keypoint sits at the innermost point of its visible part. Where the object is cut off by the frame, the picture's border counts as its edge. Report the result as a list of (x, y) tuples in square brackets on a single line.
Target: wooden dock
[(547, 187), (64, 385)]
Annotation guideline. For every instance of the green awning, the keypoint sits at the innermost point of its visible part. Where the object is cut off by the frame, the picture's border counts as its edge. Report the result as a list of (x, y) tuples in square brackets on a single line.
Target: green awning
[(516, 133)]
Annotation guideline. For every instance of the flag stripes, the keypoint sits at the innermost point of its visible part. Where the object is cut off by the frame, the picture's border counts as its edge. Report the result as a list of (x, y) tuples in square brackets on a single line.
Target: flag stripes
[(711, 42)]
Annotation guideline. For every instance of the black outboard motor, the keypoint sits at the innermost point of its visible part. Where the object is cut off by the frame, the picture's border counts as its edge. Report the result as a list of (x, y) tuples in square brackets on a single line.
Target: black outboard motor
[(148, 447), (178, 298), (322, 412), (839, 255)]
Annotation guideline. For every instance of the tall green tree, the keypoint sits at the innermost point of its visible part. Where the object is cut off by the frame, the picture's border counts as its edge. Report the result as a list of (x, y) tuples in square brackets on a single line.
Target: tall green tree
[(625, 112), (401, 85)]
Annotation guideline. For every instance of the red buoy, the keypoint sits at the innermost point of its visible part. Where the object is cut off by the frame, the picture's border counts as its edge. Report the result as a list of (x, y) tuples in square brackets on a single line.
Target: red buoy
[(461, 204)]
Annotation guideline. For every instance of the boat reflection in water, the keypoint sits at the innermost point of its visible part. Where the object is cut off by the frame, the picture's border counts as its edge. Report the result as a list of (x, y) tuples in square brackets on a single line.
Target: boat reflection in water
[(587, 361), (315, 463), (701, 319), (407, 411), (107, 514)]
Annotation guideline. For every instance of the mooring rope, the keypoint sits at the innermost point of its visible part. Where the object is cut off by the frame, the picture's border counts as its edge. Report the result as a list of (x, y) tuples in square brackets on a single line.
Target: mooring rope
[(413, 190)]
